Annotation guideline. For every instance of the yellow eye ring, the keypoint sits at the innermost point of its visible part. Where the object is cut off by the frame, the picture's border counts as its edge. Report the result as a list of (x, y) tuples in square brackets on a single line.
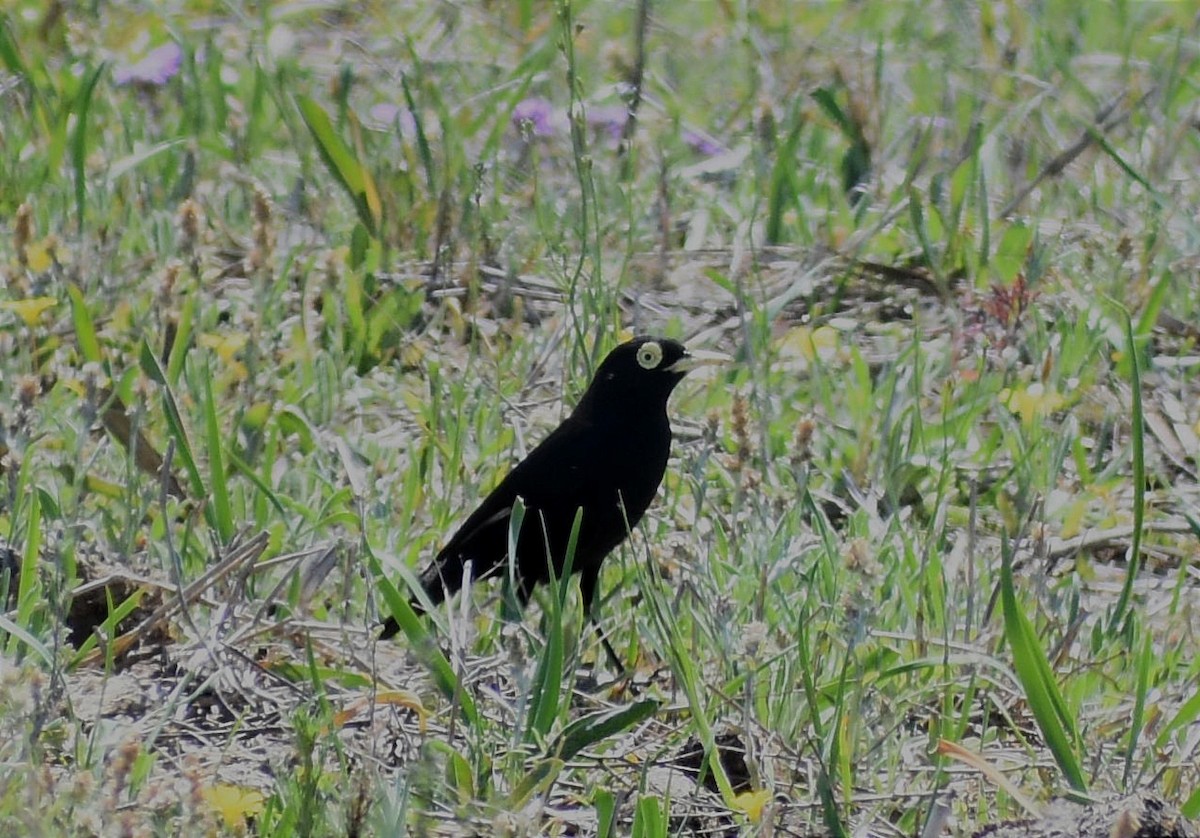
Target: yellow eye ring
[(649, 355)]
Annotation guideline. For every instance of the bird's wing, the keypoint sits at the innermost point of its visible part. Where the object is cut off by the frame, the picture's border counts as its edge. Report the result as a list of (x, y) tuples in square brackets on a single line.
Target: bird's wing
[(547, 476)]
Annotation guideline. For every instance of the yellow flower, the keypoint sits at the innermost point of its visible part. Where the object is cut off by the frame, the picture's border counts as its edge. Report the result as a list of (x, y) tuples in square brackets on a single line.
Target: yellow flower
[(234, 803), (752, 803), (1032, 402), (226, 346), (806, 344), (39, 256), (30, 310)]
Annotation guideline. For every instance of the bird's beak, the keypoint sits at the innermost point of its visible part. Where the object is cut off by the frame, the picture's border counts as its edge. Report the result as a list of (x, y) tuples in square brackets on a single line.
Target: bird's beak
[(695, 358)]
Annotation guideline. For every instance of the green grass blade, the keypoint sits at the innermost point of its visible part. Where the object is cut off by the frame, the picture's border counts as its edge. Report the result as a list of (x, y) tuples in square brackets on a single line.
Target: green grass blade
[(1145, 659), (183, 338), (1138, 443), (426, 650), (221, 511), (28, 596), (116, 613), (183, 447), (605, 803), (1191, 806), (423, 148), (548, 680), (686, 675), (782, 187), (1037, 679), (596, 727), (564, 583), (1124, 165), (650, 818), (537, 781), (18, 633), (458, 772), (258, 480), (131, 162), (830, 810), (1184, 717), (79, 141), (11, 55), (85, 329), (1159, 296), (343, 164)]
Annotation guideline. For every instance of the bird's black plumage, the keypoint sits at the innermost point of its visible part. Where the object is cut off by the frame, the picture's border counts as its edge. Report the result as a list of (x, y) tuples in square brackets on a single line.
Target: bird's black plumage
[(607, 458)]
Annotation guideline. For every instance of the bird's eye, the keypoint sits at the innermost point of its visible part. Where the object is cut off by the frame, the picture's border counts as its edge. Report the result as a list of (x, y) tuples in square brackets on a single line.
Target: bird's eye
[(649, 355)]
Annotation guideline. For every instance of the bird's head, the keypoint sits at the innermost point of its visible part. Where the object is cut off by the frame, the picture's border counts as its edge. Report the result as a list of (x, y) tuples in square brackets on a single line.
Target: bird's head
[(644, 371)]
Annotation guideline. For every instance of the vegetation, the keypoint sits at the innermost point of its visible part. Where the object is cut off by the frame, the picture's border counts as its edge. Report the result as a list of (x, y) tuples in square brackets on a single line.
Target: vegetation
[(288, 287)]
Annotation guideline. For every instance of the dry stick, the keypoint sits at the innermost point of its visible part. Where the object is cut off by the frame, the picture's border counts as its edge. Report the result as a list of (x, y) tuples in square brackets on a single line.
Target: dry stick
[(1105, 121), (174, 560), (636, 79), (240, 554), (1058, 548), (310, 580)]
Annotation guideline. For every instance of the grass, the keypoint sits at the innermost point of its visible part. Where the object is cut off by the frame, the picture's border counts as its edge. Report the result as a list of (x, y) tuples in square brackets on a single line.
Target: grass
[(943, 503)]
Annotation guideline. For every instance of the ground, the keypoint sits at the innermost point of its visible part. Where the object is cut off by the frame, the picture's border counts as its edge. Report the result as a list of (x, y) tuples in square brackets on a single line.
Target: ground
[(287, 290)]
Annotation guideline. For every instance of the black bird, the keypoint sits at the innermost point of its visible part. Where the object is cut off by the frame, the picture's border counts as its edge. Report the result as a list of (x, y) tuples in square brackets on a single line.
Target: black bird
[(607, 458)]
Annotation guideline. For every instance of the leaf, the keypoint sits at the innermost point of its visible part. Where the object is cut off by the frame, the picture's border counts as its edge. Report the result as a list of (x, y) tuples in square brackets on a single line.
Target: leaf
[(1184, 717), (108, 628), (30, 310), (222, 513), (1191, 806), (183, 448), (386, 697), (85, 329), (461, 778), (992, 773), (1138, 449), (783, 188), (79, 140), (1012, 251), (538, 781), (649, 819), (131, 161), (19, 633), (1037, 679), (342, 163), (596, 727), (1137, 722), (181, 342), (605, 803)]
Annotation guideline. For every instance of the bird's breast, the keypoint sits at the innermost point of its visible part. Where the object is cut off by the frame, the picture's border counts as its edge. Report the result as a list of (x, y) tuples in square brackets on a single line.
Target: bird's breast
[(636, 466)]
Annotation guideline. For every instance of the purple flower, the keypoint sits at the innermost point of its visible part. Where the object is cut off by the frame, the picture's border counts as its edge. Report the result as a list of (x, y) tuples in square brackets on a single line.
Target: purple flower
[(155, 69), (389, 114), (539, 114), (609, 118), (702, 143)]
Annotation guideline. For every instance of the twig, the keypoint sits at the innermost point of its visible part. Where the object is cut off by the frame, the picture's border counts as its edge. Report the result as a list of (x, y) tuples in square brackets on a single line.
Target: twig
[(1105, 121)]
